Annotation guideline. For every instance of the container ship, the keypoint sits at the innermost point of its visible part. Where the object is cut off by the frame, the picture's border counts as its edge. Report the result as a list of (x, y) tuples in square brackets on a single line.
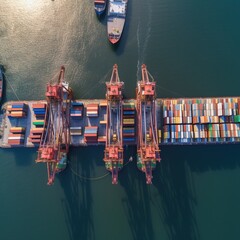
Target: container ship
[(148, 122), (148, 152), (113, 154), (116, 19), (1, 82), (100, 6)]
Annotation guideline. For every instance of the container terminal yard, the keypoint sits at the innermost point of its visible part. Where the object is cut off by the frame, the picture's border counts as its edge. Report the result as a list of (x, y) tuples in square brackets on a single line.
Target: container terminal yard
[(58, 122)]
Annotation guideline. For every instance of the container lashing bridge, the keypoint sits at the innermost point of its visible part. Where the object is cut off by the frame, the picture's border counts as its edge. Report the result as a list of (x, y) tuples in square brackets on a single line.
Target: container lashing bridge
[(147, 146), (113, 154), (55, 140)]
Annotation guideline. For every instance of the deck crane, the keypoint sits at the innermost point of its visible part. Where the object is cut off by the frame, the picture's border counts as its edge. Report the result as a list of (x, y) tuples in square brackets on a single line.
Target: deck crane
[(148, 152), (113, 154), (55, 140)]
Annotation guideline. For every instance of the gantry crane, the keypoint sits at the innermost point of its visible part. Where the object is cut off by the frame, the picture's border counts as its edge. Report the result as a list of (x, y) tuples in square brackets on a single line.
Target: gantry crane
[(55, 140), (148, 152), (113, 154)]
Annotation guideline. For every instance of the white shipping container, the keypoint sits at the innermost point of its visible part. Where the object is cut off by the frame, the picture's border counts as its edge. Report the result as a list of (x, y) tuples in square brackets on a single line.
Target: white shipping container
[(188, 134), (196, 135), (189, 120), (15, 138), (194, 106), (165, 113), (181, 134), (181, 128), (219, 106)]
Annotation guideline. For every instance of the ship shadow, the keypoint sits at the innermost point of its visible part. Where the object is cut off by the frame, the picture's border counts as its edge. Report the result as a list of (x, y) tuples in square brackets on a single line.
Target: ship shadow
[(78, 202), (102, 18), (212, 157), (173, 180), (136, 205)]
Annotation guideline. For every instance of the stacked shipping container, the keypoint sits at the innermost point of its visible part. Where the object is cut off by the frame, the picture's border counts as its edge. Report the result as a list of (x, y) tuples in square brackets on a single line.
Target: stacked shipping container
[(103, 122), (92, 110), (91, 134), (201, 120), (77, 110), (129, 122), (17, 110), (36, 132), (75, 131), (16, 136)]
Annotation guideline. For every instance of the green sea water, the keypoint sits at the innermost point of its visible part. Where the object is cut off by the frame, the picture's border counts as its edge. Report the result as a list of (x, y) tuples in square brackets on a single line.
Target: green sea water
[(192, 49)]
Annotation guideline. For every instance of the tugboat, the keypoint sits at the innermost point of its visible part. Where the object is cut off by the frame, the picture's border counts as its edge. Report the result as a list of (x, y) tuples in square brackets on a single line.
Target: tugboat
[(100, 6), (62, 164), (116, 19)]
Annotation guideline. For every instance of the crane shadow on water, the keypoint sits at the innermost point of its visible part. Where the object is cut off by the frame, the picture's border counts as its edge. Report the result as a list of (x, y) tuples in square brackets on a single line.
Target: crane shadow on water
[(137, 204), (213, 157), (174, 200), (177, 196), (79, 200), (175, 183)]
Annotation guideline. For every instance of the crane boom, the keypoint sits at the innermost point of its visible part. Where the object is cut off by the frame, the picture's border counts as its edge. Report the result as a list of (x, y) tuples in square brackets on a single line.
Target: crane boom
[(54, 144), (113, 154), (147, 146)]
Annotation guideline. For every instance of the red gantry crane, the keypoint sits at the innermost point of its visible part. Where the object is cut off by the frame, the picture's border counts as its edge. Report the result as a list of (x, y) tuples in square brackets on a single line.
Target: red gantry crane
[(148, 152), (113, 154), (54, 144)]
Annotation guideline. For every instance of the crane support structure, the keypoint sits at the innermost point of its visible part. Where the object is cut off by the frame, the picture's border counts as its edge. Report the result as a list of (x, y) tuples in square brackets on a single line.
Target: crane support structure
[(54, 145), (148, 152), (113, 154)]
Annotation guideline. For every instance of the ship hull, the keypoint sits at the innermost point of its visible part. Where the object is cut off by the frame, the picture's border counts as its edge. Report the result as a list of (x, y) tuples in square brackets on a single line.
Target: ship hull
[(100, 7), (116, 20), (115, 28)]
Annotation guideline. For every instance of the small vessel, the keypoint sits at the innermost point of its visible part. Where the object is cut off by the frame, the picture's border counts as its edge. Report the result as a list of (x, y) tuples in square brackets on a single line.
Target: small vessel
[(62, 164), (116, 19), (100, 6), (1, 81)]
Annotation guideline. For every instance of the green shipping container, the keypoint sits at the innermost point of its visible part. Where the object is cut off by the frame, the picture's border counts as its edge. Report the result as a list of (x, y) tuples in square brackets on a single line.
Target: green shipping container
[(210, 133), (237, 118), (38, 123)]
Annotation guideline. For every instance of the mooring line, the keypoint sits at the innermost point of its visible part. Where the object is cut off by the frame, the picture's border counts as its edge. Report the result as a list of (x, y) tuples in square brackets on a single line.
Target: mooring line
[(11, 87), (94, 178)]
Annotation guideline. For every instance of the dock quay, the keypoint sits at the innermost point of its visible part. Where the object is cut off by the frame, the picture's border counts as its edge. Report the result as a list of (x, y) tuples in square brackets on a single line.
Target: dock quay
[(60, 121), (179, 121)]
